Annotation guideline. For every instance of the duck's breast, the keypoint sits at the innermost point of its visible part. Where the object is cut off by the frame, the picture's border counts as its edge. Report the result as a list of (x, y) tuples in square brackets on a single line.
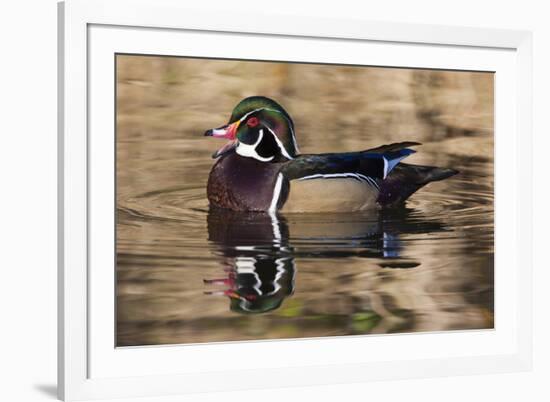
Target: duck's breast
[(330, 195), (242, 184)]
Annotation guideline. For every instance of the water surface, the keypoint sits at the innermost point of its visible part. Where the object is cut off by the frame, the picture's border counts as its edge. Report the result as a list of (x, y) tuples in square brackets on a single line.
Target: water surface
[(188, 274)]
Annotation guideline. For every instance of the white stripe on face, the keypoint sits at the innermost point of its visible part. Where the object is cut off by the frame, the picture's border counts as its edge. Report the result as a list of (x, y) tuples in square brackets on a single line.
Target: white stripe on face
[(280, 145)]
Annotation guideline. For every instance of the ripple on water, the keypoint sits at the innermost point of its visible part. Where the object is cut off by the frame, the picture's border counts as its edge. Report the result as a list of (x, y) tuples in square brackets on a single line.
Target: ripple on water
[(427, 265)]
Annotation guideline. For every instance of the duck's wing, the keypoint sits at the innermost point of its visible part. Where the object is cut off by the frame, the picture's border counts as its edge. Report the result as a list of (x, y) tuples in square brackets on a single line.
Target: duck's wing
[(366, 165)]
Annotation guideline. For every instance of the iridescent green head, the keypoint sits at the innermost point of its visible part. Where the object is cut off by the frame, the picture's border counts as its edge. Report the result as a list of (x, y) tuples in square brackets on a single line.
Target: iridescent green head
[(259, 128)]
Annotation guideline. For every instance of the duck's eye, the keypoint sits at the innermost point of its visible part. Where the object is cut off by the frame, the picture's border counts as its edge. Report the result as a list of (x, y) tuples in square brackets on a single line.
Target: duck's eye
[(252, 122)]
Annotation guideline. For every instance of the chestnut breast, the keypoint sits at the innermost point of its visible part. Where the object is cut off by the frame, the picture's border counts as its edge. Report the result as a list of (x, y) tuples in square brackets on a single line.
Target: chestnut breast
[(243, 184)]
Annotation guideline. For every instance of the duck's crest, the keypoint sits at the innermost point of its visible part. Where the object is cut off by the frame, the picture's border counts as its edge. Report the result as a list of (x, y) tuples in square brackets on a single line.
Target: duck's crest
[(281, 122)]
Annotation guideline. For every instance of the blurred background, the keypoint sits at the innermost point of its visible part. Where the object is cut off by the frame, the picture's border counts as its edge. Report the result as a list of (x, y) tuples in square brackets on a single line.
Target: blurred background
[(180, 275)]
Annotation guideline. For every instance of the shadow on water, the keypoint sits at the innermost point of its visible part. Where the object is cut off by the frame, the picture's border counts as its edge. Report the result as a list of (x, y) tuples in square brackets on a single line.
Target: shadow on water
[(258, 251)]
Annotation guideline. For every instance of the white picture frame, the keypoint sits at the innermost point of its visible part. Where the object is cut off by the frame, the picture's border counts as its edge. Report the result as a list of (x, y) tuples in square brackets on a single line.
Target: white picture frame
[(90, 367)]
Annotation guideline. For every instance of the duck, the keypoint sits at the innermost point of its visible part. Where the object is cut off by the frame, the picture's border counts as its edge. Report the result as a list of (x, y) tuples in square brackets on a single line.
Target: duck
[(260, 168)]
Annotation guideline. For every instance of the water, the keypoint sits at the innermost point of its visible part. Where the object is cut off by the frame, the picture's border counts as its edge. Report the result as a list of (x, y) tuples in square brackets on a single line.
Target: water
[(188, 274)]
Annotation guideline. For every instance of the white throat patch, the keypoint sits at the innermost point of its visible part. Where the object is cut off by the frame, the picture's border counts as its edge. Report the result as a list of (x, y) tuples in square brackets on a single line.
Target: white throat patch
[(249, 151)]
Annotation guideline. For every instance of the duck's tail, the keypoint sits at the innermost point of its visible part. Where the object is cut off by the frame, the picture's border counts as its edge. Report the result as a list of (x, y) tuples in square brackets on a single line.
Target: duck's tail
[(405, 179)]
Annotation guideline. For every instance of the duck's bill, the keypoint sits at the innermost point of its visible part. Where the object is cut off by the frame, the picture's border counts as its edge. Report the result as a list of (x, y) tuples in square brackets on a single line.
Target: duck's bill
[(229, 132)]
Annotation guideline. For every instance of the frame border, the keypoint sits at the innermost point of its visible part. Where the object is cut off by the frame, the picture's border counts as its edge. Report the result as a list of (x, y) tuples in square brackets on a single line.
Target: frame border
[(74, 16)]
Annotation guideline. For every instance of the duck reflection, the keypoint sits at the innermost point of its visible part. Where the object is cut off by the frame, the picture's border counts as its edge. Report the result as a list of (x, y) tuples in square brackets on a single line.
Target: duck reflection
[(258, 250), (257, 259)]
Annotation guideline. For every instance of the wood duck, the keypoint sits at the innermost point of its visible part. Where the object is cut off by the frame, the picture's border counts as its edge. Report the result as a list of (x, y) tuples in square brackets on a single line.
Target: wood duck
[(260, 168)]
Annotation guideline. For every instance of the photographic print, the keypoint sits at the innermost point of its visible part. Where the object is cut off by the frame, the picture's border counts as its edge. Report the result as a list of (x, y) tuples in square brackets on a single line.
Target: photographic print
[(262, 200)]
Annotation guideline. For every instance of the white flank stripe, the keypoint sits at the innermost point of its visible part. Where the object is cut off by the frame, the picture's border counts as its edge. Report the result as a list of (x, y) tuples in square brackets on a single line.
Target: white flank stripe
[(276, 194), (370, 180), (357, 176)]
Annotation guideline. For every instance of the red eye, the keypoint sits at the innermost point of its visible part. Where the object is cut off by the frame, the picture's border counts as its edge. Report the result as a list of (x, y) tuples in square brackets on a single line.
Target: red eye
[(252, 122)]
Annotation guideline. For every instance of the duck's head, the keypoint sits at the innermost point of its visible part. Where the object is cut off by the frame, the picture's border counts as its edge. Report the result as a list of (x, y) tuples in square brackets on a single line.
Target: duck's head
[(259, 128)]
